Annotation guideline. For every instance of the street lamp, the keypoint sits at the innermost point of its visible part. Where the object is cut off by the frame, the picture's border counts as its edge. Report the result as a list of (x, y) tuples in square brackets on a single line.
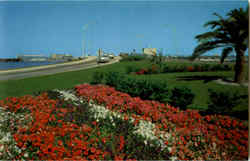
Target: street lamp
[(85, 27)]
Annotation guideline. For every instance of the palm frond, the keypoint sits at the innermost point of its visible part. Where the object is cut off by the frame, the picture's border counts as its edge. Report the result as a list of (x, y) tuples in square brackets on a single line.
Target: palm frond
[(213, 24), (204, 47), (206, 36), (225, 53), (220, 17)]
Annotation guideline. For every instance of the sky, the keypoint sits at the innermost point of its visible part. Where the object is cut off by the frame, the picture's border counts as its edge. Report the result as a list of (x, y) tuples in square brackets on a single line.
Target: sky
[(78, 27)]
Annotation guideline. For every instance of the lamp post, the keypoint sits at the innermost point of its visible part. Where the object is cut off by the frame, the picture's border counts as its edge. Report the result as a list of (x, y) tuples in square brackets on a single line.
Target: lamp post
[(85, 27)]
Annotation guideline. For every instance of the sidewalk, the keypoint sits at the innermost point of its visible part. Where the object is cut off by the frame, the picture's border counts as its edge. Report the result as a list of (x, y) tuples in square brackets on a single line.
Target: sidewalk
[(28, 69)]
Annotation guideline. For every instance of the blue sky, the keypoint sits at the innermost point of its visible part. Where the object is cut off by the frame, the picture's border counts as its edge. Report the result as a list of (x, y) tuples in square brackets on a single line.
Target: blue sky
[(115, 26)]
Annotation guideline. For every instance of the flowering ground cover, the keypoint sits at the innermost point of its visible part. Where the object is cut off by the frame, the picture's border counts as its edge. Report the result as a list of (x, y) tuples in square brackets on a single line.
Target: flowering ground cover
[(100, 123), (195, 137), (71, 129)]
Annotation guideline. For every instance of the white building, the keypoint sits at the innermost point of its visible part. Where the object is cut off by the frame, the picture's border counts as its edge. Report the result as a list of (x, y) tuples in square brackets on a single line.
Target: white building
[(149, 51), (32, 57)]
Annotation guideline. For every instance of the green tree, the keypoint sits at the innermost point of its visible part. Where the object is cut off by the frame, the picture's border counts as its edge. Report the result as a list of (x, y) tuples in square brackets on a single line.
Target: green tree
[(231, 34)]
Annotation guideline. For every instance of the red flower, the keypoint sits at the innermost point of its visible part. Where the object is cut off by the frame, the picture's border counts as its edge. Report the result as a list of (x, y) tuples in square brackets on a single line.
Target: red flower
[(92, 150)]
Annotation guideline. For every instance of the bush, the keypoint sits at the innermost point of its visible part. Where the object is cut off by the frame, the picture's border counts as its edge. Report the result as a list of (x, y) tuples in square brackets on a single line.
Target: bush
[(180, 68), (181, 97), (143, 88), (130, 69), (206, 67), (197, 68), (217, 67), (113, 78), (97, 78), (190, 69), (168, 69), (227, 67), (153, 69), (222, 102), (133, 57)]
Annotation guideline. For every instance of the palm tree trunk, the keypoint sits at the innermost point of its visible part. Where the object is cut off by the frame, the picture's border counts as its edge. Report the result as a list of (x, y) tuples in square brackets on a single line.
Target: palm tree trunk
[(239, 66)]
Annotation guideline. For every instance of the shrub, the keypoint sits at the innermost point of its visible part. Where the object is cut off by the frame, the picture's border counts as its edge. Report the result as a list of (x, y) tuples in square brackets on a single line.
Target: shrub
[(180, 68), (143, 88), (190, 68), (147, 89), (168, 69), (133, 57), (97, 78), (227, 67), (130, 69), (197, 68), (142, 71), (217, 67), (113, 78), (206, 67), (154, 69), (181, 97), (222, 102)]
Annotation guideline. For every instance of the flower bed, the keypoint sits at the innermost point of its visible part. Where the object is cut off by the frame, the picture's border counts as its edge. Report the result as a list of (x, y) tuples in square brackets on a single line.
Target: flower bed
[(195, 137), (113, 126), (166, 68), (67, 128)]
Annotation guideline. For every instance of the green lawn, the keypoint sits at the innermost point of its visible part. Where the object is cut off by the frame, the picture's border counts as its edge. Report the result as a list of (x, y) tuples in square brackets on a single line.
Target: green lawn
[(70, 79)]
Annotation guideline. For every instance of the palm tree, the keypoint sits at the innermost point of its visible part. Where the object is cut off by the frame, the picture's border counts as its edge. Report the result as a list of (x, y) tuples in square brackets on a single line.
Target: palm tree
[(231, 34)]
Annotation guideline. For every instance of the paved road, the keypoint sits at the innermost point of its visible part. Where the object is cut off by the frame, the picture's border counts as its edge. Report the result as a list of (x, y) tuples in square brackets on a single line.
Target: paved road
[(40, 72)]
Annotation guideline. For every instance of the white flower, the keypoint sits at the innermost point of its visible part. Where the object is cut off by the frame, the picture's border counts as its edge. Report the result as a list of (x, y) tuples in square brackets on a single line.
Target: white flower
[(173, 158), (145, 129), (1, 148), (26, 155)]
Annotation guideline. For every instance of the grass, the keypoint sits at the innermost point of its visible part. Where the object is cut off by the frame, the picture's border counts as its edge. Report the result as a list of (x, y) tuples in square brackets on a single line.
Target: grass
[(70, 79)]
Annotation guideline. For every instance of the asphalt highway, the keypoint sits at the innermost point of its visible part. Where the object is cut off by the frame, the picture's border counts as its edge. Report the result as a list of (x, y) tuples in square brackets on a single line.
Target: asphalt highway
[(52, 70)]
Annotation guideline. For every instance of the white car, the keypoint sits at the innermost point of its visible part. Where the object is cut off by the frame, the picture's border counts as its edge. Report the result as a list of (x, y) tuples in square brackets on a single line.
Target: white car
[(111, 56), (103, 59)]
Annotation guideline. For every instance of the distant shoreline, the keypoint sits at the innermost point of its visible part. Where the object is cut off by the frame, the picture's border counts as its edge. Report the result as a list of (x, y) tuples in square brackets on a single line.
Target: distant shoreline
[(10, 60)]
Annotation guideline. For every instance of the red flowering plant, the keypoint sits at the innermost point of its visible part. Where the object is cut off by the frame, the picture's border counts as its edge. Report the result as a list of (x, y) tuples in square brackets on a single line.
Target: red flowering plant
[(196, 137), (52, 135), (142, 71), (75, 131)]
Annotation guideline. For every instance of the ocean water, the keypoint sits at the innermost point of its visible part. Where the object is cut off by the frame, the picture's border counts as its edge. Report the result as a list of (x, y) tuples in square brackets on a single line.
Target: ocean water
[(15, 65)]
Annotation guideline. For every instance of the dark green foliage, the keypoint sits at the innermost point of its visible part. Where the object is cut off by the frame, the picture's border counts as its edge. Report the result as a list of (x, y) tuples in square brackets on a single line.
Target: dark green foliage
[(230, 34), (113, 78), (222, 102), (181, 97), (51, 93), (97, 78), (227, 67), (196, 68), (143, 88), (80, 115), (206, 67), (217, 67), (168, 68), (130, 69), (180, 68), (134, 57), (154, 69)]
